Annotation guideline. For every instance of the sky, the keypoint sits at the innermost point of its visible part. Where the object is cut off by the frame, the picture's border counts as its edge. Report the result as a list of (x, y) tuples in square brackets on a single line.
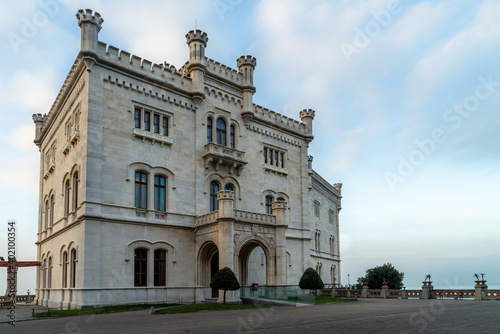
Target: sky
[(406, 94)]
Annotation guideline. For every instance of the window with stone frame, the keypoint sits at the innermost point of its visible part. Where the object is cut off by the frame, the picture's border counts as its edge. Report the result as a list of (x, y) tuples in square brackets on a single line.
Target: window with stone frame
[(214, 189), (220, 132), (160, 267), (274, 157), (73, 263), (67, 200), (141, 190), (65, 270), (152, 121), (331, 216), (140, 267), (317, 209), (269, 205), (160, 191)]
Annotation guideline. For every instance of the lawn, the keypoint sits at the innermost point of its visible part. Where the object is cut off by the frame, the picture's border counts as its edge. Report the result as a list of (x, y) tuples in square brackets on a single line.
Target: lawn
[(206, 307), (329, 299), (99, 310)]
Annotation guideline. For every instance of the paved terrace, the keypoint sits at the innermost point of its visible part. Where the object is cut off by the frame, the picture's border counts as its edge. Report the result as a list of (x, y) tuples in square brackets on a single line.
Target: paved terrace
[(364, 316)]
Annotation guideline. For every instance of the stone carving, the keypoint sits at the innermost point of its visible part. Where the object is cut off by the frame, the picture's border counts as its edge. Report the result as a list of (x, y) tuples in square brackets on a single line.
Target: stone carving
[(236, 237)]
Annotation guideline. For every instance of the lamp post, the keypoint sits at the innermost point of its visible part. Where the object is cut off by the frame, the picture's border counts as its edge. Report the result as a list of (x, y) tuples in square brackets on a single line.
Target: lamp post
[(348, 283)]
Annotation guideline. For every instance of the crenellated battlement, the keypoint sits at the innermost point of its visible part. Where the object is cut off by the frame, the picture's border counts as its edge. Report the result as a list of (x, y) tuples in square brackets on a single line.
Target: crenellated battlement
[(278, 119), (246, 61), (163, 72), (197, 35), (222, 71), (307, 113), (88, 16)]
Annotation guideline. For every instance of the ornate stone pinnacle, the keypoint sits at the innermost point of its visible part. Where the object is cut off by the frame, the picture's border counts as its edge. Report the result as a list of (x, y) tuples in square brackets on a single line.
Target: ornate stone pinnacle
[(246, 61), (197, 35), (89, 16)]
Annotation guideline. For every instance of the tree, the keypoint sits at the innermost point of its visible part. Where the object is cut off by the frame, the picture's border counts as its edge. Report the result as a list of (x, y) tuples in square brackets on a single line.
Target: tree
[(311, 280), (375, 276), (225, 280)]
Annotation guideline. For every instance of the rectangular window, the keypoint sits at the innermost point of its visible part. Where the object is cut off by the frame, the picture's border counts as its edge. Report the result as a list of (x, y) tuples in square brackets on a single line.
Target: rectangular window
[(140, 267), (137, 118), (316, 209), (160, 267), (147, 121), (330, 216), (141, 185), (165, 126), (160, 188), (274, 157), (156, 123)]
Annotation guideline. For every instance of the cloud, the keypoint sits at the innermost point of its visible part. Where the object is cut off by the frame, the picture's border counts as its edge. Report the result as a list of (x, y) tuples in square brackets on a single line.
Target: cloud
[(37, 93)]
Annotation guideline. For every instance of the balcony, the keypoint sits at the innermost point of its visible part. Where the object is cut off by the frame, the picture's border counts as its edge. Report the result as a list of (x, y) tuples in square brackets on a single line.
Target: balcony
[(154, 137), (217, 156)]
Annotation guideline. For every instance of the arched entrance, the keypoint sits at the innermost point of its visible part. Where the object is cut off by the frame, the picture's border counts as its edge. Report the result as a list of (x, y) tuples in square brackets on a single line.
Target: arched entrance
[(253, 264), (208, 265)]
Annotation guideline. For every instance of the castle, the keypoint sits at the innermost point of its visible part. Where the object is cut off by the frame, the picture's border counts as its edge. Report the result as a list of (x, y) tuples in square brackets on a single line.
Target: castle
[(152, 178)]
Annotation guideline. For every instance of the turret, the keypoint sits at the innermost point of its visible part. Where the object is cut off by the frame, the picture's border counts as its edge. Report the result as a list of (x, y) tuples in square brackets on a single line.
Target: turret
[(307, 116), (279, 209), (246, 66), (225, 201), (38, 120), (197, 42), (338, 186), (90, 23)]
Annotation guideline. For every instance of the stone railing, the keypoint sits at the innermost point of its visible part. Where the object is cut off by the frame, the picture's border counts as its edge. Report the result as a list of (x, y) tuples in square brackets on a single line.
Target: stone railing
[(405, 294), (208, 218), (240, 216), (254, 217), (5, 301)]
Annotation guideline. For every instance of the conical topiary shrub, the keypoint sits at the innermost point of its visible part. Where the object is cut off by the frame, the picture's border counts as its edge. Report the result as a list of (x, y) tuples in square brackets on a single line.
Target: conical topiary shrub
[(225, 280), (311, 280)]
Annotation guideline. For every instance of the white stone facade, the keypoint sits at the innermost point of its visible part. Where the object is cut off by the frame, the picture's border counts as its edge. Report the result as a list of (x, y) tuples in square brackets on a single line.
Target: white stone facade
[(131, 214)]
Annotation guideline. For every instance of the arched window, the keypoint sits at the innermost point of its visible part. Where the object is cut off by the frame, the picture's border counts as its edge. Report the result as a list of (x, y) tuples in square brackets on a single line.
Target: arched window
[(231, 136), (49, 275), (160, 270), (75, 191), (160, 192), (280, 199), (72, 279), (214, 189), (269, 205), (141, 190), (46, 214), (209, 130), (332, 245), (65, 270), (140, 267), (67, 188), (221, 132), (229, 187), (52, 203), (44, 272)]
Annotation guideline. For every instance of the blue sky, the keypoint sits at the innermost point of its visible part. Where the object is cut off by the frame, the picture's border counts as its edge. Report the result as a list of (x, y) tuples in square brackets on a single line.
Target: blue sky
[(406, 93)]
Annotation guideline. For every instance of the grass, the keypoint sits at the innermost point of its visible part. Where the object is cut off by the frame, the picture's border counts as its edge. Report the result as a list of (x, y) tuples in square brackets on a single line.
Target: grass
[(206, 307), (329, 299), (99, 310)]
